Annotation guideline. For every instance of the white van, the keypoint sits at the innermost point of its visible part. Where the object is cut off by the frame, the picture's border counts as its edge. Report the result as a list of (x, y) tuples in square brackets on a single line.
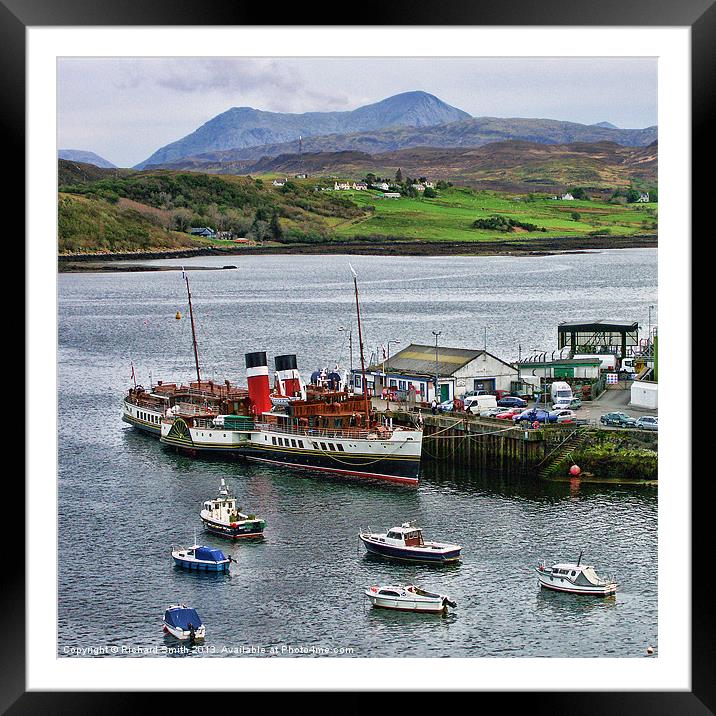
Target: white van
[(560, 392), (478, 404)]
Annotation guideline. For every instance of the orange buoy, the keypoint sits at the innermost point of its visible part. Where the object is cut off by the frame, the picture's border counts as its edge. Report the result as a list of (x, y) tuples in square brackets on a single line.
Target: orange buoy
[(178, 316), (575, 470)]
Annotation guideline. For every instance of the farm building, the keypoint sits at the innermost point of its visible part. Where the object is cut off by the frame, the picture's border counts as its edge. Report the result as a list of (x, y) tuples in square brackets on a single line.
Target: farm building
[(205, 231), (459, 370)]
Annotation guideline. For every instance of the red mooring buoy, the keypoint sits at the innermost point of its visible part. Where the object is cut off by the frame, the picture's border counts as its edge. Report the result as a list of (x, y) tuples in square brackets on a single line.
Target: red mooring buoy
[(575, 470)]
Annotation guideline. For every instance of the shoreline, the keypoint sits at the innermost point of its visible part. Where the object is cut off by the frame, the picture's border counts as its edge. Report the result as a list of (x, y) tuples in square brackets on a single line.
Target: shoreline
[(99, 262)]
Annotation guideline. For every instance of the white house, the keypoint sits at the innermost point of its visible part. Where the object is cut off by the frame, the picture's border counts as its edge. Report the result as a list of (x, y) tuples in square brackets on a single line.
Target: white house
[(278, 182), (419, 187), (341, 186), (360, 186), (567, 197), (459, 370), (383, 186), (643, 197), (391, 195), (429, 185)]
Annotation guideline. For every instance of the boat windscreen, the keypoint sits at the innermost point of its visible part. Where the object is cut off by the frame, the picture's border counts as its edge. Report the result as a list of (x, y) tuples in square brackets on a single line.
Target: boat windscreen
[(182, 618)]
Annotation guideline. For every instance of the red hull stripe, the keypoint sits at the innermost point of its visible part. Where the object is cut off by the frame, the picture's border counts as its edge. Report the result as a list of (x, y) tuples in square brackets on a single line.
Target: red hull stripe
[(374, 475)]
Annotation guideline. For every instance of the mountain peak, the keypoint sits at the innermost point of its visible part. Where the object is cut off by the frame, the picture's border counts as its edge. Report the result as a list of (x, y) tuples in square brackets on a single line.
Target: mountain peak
[(605, 125), (240, 127)]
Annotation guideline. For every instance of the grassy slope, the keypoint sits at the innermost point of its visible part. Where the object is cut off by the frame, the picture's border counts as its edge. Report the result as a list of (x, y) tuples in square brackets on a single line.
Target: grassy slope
[(450, 215), (116, 212), (88, 224)]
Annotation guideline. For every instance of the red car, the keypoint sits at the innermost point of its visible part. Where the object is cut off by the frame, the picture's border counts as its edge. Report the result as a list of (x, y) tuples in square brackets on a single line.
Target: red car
[(509, 413)]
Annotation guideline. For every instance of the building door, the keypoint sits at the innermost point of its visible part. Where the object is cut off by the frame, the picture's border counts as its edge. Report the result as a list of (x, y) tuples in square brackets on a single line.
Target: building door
[(444, 392)]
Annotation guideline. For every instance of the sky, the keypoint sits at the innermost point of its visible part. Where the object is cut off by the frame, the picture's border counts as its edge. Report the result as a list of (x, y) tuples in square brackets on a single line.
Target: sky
[(126, 108)]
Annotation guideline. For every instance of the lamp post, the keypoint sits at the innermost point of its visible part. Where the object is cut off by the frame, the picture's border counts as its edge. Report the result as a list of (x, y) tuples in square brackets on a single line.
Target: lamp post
[(394, 342), (541, 388), (651, 308), (350, 343), (437, 374)]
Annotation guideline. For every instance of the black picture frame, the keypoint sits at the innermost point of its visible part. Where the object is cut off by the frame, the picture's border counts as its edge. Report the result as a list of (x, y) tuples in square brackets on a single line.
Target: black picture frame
[(699, 15)]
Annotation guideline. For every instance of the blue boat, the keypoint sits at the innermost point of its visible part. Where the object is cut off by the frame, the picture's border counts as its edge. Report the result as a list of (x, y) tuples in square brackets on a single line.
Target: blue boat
[(183, 622), (406, 543), (202, 559)]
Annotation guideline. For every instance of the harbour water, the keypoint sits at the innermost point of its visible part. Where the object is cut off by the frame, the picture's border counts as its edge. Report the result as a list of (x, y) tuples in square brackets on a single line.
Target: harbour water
[(124, 500)]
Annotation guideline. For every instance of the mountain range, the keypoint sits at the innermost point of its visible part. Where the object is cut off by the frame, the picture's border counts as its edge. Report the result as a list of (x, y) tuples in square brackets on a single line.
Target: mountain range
[(242, 127), (411, 119)]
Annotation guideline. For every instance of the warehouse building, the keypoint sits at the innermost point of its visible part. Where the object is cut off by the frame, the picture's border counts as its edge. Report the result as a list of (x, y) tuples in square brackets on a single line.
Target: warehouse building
[(459, 371)]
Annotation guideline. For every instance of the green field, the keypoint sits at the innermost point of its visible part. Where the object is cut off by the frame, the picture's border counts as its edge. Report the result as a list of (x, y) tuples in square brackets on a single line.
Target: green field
[(451, 214)]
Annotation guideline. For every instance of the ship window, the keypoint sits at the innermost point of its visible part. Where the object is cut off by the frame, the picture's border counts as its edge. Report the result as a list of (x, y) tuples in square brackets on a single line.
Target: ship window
[(323, 446), (293, 443), (332, 446), (273, 440), (574, 573), (340, 447)]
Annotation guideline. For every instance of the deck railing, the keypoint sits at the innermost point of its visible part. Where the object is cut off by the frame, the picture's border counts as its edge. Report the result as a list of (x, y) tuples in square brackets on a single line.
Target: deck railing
[(318, 432)]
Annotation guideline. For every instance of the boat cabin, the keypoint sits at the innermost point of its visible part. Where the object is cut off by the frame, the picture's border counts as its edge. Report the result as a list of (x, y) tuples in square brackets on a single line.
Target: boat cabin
[(223, 509), (582, 574), (406, 535)]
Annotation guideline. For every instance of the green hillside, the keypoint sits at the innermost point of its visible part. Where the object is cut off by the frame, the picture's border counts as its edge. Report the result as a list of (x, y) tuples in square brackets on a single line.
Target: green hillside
[(126, 210)]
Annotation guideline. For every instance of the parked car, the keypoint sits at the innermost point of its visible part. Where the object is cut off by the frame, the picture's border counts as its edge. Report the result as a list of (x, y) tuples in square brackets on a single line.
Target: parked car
[(563, 415), (500, 394), (571, 404), (511, 401), (541, 416), (492, 412), (620, 420), (647, 422), (475, 392), (446, 406), (508, 414)]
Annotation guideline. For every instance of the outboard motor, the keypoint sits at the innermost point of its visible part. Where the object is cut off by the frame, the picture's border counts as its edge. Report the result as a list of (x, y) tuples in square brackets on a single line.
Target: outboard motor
[(288, 379), (258, 380)]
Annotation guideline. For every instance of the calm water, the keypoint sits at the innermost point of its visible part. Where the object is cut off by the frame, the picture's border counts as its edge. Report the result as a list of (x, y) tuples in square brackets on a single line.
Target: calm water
[(124, 500)]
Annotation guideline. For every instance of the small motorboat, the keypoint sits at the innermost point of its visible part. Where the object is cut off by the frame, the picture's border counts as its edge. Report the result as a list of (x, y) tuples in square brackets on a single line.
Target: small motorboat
[(221, 517), (406, 543), (183, 622), (575, 578), (201, 558), (408, 599)]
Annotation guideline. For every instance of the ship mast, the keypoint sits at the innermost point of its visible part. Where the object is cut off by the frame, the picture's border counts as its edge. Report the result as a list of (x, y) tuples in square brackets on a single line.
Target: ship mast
[(193, 332), (360, 344)]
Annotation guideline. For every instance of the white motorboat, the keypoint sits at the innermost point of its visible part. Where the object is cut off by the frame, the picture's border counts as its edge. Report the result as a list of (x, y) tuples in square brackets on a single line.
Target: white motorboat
[(406, 543), (408, 598), (183, 622), (575, 578)]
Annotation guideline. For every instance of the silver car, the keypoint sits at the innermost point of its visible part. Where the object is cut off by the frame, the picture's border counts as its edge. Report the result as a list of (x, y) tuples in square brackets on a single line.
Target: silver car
[(647, 422)]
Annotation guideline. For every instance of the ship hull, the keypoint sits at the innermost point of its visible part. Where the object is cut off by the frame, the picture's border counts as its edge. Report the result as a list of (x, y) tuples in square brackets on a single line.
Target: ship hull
[(409, 555), (141, 418), (251, 530), (396, 460)]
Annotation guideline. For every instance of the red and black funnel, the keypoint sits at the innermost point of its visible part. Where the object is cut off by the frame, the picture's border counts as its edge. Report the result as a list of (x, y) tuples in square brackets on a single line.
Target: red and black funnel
[(288, 379), (258, 380)]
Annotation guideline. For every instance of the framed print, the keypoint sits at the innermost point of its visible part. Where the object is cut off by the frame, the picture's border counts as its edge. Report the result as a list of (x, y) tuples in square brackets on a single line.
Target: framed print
[(344, 352)]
